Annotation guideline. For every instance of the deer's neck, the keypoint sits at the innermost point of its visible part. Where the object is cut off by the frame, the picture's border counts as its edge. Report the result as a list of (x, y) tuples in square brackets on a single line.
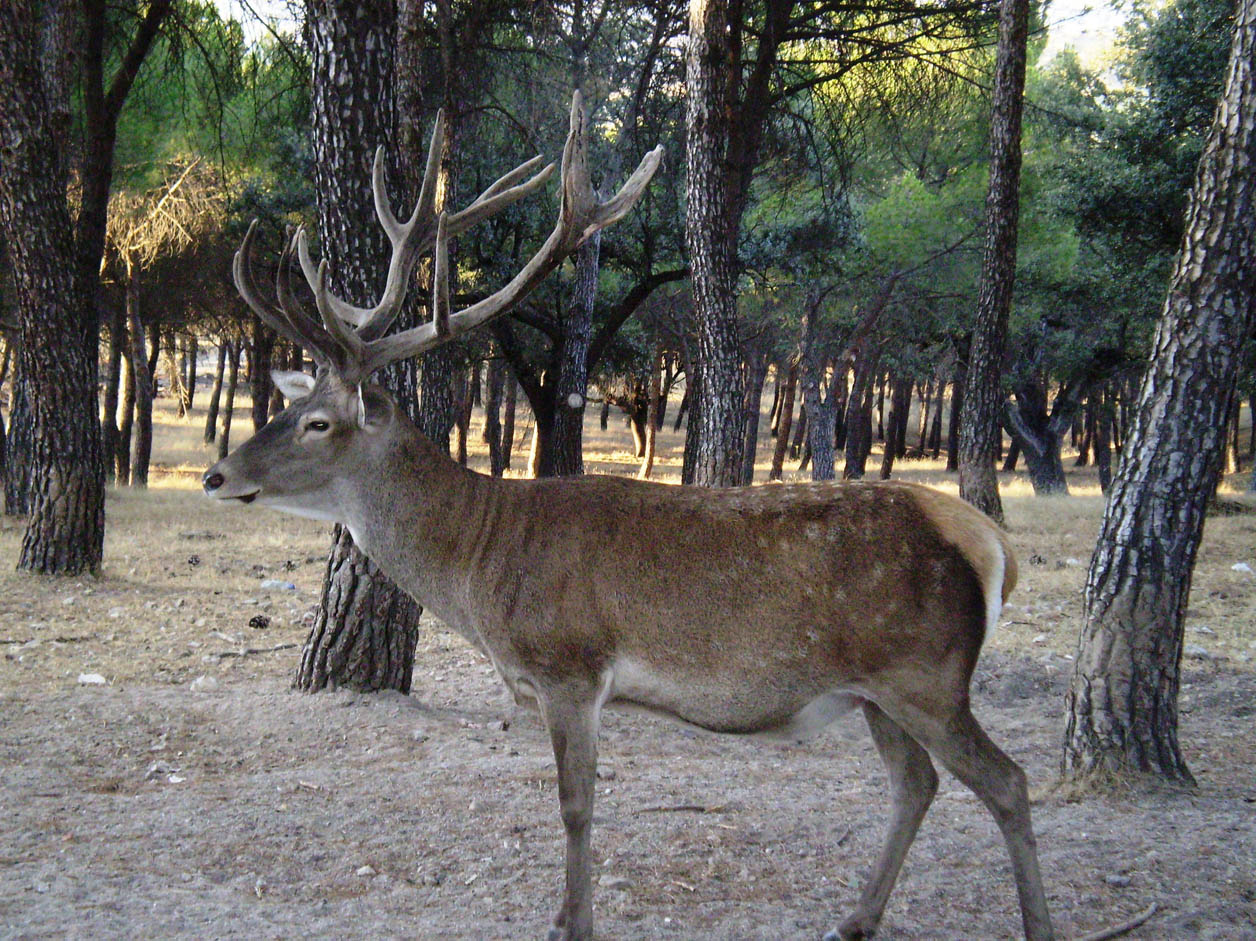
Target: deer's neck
[(418, 517)]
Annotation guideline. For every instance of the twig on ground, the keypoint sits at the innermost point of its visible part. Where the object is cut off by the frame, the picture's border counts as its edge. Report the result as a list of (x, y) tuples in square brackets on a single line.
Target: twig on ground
[(682, 809), (1126, 926), (249, 651)]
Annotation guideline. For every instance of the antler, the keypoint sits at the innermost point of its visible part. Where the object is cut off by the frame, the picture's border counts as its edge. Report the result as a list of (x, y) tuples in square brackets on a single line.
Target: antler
[(356, 353)]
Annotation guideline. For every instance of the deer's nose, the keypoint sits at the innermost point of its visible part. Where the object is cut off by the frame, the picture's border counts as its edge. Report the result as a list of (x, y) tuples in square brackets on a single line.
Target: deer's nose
[(212, 482)]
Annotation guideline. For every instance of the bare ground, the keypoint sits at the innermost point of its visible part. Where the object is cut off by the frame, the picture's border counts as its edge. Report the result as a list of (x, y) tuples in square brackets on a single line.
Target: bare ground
[(147, 807)]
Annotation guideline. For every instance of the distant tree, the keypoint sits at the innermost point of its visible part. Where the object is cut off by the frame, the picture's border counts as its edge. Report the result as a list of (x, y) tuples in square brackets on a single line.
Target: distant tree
[(1122, 703)]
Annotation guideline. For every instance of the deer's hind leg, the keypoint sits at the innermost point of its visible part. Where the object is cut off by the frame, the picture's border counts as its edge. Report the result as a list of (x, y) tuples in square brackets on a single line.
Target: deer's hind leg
[(954, 737), (913, 782)]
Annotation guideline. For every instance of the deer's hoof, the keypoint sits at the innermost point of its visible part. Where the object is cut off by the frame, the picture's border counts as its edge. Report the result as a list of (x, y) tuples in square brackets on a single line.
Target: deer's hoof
[(562, 933), (853, 928)]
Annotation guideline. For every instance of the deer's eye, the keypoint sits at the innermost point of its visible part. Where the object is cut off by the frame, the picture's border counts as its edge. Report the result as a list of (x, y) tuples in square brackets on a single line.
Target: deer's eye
[(318, 425)]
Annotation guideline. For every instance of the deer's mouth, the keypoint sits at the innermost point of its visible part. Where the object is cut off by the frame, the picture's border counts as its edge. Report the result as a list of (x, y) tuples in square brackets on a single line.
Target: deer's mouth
[(247, 497)]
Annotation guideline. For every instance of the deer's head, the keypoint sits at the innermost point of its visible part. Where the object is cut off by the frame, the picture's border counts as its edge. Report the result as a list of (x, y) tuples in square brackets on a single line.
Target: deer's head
[(336, 423)]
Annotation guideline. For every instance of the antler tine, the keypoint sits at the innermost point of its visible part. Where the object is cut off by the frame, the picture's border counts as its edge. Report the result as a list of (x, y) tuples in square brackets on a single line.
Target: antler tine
[(580, 216), (316, 338), (578, 198), (275, 318), (500, 194), (348, 343)]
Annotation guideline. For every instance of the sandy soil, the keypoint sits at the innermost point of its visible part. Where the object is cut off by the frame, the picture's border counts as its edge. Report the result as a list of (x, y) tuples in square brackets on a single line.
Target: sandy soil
[(163, 805)]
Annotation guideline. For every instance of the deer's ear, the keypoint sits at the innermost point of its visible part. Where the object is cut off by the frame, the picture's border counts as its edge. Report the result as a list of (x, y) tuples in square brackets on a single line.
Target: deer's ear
[(375, 408), (294, 385)]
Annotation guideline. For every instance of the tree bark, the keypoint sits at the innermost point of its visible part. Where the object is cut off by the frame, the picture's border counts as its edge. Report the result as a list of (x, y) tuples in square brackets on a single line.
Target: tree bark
[(710, 235), (56, 314), (819, 411), (366, 628), (567, 439), (1122, 703), (983, 399), (261, 347), (18, 446)]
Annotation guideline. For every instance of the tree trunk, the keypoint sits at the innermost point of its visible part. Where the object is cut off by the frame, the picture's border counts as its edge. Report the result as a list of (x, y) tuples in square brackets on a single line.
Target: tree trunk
[(18, 447), (260, 350), (786, 422), (493, 414), (228, 405), (935, 433), (926, 402), (175, 373), (757, 373), (215, 395), (900, 403), (1232, 463), (652, 416), (122, 451), (567, 439), (953, 424), (113, 381), (190, 350), (1102, 445), (1039, 434), (711, 238), (154, 351), (143, 447), (1012, 458), (56, 314), (859, 414), (366, 628), (983, 399), (1122, 708), (508, 421), (800, 432), (880, 409), (819, 411), (462, 423)]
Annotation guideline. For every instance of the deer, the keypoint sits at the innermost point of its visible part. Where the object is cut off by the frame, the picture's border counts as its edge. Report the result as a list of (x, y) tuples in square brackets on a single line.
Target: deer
[(900, 583)]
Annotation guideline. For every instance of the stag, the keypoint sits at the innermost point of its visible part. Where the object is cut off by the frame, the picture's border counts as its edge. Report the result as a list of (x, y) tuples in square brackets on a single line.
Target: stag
[(692, 621)]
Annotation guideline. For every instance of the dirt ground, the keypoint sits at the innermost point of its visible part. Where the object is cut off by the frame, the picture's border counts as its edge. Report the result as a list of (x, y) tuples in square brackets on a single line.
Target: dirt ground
[(192, 795)]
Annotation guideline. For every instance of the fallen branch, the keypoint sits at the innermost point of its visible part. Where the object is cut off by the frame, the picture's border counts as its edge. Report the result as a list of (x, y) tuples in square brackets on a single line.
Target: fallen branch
[(249, 651), (682, 809), (1117, 930)]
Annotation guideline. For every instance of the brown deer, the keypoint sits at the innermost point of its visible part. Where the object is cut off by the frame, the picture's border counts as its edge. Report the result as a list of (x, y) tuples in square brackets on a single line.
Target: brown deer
[(891, 588)]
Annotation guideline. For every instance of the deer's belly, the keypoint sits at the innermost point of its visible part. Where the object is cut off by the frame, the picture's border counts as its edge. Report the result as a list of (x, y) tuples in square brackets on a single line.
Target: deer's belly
[(728, 706)]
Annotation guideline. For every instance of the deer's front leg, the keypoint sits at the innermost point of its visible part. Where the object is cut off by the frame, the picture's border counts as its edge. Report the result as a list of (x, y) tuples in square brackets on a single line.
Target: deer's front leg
[(573, 717)]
